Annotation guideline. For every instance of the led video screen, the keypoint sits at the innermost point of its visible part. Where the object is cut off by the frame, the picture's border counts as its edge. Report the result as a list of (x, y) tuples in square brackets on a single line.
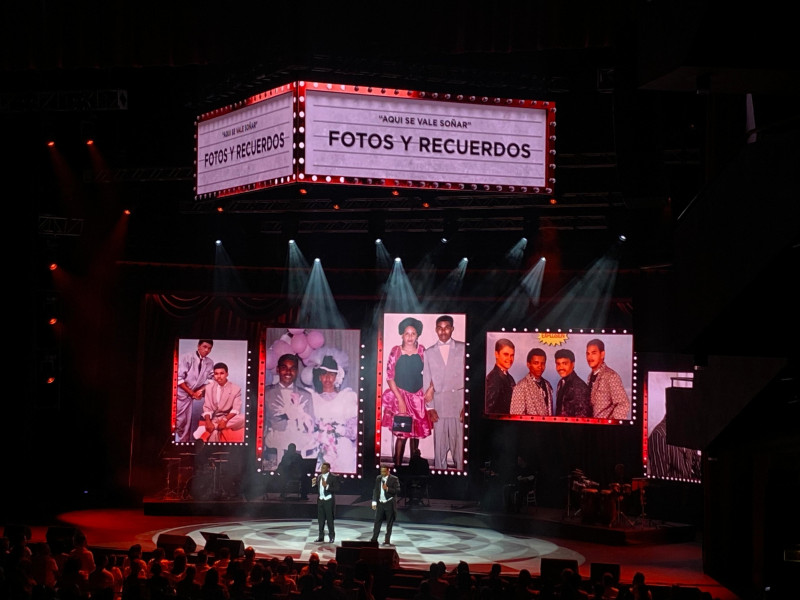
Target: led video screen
[(422, 401), (209, 400), (310, 401), (664, 460), (560, 377)]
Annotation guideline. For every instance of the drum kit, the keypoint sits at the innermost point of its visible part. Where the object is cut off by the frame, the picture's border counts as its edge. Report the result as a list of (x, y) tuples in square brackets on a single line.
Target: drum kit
[(603, 507), (188, 481), (585, 488)]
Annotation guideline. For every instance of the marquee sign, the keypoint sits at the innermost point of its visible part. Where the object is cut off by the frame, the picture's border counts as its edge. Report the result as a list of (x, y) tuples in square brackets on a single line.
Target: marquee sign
[(310, 132)]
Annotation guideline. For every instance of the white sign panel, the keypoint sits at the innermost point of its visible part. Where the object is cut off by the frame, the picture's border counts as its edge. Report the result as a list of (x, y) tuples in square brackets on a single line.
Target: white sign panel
[(246, 147), (411, 140)]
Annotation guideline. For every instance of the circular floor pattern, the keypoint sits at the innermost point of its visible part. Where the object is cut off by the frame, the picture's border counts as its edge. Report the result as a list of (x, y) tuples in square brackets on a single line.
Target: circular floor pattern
[(417, 545)]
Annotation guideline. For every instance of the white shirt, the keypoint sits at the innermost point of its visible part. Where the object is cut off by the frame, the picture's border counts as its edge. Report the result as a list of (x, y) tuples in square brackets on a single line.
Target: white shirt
[(323, 491)]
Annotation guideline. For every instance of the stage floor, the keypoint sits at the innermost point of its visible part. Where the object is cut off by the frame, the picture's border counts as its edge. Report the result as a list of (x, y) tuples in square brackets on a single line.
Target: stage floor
[(422, 534)]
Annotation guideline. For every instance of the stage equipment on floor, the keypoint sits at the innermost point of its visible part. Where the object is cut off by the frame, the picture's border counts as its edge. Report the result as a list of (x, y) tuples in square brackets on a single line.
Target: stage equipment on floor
[(211, 540), (638, 484), (585, 490), (598, 569), (170, 541), (552, 567)]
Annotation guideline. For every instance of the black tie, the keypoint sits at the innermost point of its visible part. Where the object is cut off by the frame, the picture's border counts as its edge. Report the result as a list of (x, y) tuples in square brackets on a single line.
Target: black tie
[(591, 380), (558, 396), (543, 385)]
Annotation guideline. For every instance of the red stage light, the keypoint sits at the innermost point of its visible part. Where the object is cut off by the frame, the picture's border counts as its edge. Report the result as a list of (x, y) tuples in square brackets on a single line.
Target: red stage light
[(53, 266)]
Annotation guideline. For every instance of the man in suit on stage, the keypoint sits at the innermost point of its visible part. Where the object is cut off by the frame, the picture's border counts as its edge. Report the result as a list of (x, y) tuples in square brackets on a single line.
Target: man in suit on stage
[(384, 503), (326, 485), (443, 382)]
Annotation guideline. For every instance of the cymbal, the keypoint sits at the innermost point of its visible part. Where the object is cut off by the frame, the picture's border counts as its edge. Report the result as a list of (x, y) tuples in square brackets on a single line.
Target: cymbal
[(219, 453)]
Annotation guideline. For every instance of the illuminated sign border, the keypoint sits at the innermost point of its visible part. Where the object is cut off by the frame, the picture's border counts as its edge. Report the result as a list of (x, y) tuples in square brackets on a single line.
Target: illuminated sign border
[(300, 133)]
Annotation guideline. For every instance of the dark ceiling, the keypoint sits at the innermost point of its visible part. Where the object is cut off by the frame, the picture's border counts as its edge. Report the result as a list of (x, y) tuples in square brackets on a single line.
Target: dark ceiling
[(651, 101)]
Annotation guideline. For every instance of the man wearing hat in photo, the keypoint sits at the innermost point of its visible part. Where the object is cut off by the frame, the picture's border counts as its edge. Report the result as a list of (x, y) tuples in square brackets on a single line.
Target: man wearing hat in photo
[(572, 393)]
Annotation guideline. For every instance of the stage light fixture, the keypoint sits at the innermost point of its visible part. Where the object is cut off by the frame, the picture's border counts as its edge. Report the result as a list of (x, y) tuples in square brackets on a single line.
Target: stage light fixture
[(52, 320), (218, 242), (397, 260), (53, 266), (51, 143), (127, 212), (378, 241)]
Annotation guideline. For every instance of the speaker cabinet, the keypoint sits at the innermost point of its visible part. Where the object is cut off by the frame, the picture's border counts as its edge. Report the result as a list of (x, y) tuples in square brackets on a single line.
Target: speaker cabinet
[(599, 569), (169, 542), (382, 557), (551, 569), (347, 555), (359, 544), (211, 540)]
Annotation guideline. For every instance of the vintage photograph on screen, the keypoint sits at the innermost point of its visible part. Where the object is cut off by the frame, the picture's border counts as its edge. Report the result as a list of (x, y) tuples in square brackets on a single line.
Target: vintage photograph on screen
[(666, 461), (553, 376), (422, 391), (209, 397), (311, 401)]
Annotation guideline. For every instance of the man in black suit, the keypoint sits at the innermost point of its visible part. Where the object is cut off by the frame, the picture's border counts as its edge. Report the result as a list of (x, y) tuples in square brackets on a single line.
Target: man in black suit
[(384, 503), (573, 398), (326, 484)]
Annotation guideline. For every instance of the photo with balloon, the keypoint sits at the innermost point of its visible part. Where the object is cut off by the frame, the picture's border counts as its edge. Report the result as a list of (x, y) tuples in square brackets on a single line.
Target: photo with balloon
[(310, 401)]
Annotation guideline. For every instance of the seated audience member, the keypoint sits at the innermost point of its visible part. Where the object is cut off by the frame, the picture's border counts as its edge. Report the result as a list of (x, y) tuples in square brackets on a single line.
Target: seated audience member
[(72, 581), (286, 584), (134, 587), (157, 586), (638, 590), (187, 588), (44, 566), (523, 587), (81, 552), (212, 589), (101, 580)]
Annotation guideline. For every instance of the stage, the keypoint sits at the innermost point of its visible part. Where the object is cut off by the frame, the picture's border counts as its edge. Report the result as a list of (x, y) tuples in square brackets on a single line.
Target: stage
[(528, 521)]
